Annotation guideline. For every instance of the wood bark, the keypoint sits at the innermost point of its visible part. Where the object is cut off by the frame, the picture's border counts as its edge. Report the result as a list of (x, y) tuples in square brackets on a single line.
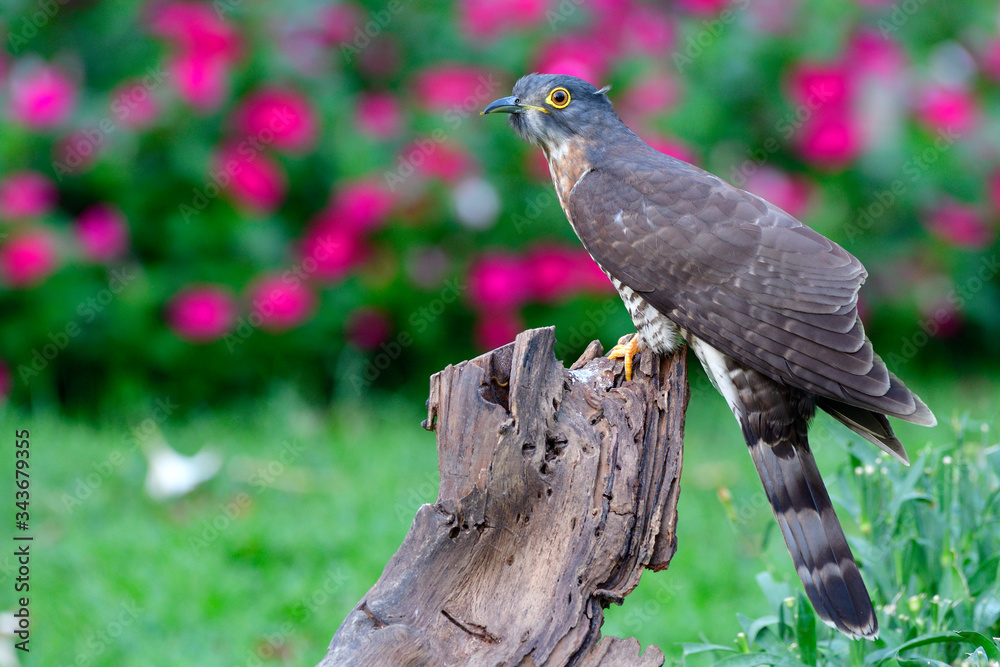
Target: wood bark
[(558, 487)]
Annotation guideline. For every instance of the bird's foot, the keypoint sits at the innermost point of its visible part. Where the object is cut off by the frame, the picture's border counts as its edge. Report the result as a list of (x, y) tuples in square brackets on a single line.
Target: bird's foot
[(626, 351)]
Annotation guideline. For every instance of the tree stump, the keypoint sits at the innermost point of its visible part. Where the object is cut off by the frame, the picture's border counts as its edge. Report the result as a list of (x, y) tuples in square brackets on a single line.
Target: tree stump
[(557, 488)]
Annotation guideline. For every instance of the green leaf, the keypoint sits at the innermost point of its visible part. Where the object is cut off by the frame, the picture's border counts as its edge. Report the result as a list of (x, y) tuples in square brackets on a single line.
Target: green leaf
[(982, 641), (805, 630), (694, 649)]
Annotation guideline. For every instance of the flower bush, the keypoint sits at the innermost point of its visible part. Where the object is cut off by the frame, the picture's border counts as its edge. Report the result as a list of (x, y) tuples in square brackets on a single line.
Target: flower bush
[(198, 199)]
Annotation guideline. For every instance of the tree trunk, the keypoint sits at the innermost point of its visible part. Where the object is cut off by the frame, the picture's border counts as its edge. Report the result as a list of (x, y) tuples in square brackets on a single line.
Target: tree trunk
[(557, 488)]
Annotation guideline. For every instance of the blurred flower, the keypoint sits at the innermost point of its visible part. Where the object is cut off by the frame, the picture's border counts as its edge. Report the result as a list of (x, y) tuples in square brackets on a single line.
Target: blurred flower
[(201, 314), (831, 139), (6, 381), (476, 203), (875, 53), (27, 259), (133, 104), (650, 96), (427, 267), (172, 474), (281, 303), (489, 18), (196, 28), (703, 7), (821, 85), (672, 147), (330, 252), (361, 206), (447, 161), (283, 114), (41, 96), (945, 108), (497, 327), (378, 115), (776, 17), (647, 31), (989, 59), (591, 276), (201, 81), (339, 22), (961, 225), (367, 328), (255, 180), (573, 55), (787, 192), (446, 87), (26, 194), (102, 232), (553, 272), (498, 282), (76, 152)]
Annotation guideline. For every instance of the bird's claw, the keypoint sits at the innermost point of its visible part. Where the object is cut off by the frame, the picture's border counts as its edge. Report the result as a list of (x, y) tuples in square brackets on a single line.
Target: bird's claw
[(626, 351)]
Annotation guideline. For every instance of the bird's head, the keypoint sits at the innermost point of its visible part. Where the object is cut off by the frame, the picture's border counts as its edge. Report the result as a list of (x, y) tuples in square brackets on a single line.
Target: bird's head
[(552, 110)]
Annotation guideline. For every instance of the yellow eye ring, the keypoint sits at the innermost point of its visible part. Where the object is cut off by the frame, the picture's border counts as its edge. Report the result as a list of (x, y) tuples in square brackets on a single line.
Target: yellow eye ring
[(558, 98)]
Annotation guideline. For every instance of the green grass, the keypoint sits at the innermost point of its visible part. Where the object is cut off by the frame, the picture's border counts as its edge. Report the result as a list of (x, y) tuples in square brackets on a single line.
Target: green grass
[(261, 564)]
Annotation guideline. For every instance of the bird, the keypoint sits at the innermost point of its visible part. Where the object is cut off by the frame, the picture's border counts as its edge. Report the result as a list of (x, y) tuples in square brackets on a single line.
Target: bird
[(768, 306)]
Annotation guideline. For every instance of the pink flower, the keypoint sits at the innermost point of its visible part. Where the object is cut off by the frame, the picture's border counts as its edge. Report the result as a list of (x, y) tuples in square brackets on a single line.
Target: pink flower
[(990, 59), (592, 278), (489, 18), (340, 22), (367, 328), (447, 161), (495, 328), (672, 147), (201, 80), (499, 281), (281, 117), (830, 140), (448, 86), (27, 259), (821, 85), (41, 96), (201, 314), (196, 28), (26, 194), (256, 181), (329, 252), (703, 7), (943, 108), (378, 115), (552, 272), (282, 303), (361, 206), (102, 232), (133, 104), (649, 97), (6, 382), (574, 55), (785, 191), (76, 153), (961, 225), (648, 32), (871, 52)]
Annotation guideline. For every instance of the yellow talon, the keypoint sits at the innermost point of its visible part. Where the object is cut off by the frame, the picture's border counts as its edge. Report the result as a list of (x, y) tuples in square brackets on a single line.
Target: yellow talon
[(626, 351)]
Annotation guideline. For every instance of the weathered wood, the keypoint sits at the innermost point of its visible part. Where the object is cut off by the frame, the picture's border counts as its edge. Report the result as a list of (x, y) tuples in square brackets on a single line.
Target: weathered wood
[(558, 487)]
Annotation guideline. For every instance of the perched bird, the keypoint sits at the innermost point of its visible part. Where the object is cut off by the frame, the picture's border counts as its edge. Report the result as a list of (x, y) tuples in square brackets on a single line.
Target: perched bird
[(769, 307)]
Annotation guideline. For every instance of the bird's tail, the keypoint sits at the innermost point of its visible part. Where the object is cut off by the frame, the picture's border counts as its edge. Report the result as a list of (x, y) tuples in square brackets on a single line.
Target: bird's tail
[(812, 531)]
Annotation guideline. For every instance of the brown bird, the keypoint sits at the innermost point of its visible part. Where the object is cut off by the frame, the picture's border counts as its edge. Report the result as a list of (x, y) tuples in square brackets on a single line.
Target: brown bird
[(769, 307)]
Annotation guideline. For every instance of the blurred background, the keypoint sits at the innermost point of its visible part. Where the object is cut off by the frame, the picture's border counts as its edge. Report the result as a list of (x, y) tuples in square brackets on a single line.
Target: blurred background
[(236, 237)]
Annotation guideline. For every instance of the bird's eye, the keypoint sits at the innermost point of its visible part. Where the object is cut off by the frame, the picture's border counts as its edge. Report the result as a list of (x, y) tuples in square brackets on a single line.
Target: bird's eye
[(559, 98)]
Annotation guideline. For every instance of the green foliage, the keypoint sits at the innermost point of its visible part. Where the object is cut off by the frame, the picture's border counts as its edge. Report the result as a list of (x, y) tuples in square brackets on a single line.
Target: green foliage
[(928, 549)]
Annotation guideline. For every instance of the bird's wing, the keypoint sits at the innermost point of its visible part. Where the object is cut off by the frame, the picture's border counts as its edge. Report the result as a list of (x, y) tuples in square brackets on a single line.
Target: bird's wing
[(739, 273)]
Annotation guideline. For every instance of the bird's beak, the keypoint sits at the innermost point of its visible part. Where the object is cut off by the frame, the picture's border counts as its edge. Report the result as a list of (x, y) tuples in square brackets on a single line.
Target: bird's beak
[(509, 105)]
